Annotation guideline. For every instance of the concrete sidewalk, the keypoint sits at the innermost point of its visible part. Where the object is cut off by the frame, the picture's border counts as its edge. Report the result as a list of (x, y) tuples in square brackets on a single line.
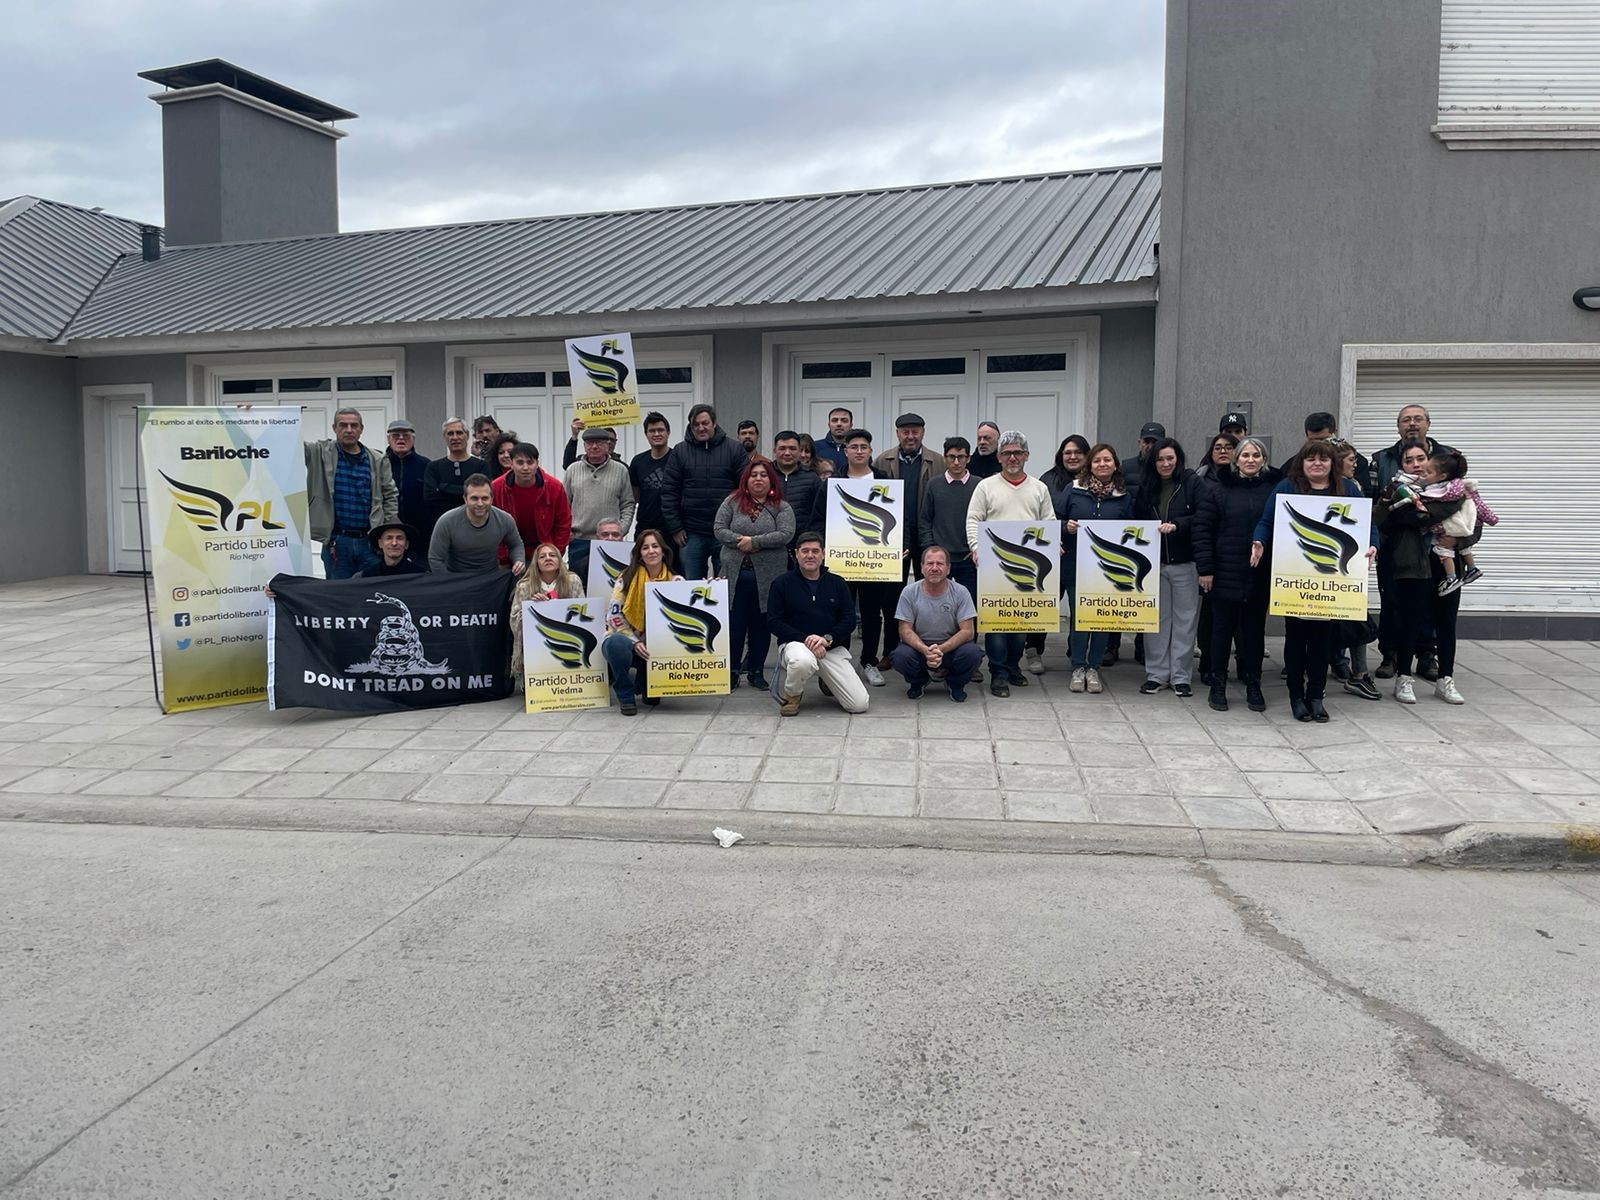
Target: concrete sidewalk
[(81, 734)]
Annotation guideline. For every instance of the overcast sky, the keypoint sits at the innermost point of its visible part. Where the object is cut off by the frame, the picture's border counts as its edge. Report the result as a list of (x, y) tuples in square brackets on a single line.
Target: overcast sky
[(472, 109)]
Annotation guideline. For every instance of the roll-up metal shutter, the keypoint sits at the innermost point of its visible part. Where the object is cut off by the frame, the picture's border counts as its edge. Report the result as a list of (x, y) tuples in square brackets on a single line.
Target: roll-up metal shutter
[(1508, 63), (1529, 433)]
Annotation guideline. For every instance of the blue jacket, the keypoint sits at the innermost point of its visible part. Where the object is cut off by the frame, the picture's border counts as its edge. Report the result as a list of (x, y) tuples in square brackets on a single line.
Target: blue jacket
[(1269, 514), (824, 447), (793, 616), (1082, 505)]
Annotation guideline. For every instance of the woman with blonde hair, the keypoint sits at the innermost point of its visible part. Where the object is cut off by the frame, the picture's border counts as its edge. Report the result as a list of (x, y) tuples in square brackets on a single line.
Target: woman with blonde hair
[(546, 578)]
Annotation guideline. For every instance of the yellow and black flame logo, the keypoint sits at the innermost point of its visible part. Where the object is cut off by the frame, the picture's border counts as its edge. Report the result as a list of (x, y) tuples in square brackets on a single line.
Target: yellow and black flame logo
[(210, 511), (1326, 547), (693, 628), (1124, 568), (569, 643), (610, 375), (871, 522), (613, 568), (1026, 569)]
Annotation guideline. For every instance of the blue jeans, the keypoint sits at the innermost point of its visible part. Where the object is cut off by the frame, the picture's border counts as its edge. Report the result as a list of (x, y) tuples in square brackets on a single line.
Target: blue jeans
[(344, 557), (1005, 653), (695, 554), (748, 626), (627, 668), (958, 664), (577, 559), (1087, 648)]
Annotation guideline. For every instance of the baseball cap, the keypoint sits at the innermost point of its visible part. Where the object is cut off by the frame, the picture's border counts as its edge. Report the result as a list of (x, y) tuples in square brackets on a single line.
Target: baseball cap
[(1230, 420), (907, 419), (401, 426), (1152, 429)]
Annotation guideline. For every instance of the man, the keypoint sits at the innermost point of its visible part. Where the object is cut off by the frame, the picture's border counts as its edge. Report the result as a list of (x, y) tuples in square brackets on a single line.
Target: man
[(645, 473), (831, 444), (410, 472), (1150, 433), (938, 629), (1235, 423), (1011, 495), (749, 435), (802, 487), (942, 518), (810, 613), (348, 491), (914, 465), (1323, 427), (609, 530), (1412, 422), (484, 431), (394, 542), (985, 462), (445, 479), (701, 471), (571, 453), (876, 600), (599, 487), (536, 501), (470, 538)]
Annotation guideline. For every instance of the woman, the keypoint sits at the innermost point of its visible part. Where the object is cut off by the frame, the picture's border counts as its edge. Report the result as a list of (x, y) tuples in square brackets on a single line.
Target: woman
[(1412, 595), (624, 648), (546, 578), (755, 526), (1350, 662), (1218, 457), (1099, 494), (1071, 456), (808, 451), (499, 459), (1223, 530), (1307, 644), (1171, 494)]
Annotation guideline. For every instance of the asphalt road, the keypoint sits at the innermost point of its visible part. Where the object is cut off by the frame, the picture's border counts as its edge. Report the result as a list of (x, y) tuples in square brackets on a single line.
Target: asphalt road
[(226, 1012)]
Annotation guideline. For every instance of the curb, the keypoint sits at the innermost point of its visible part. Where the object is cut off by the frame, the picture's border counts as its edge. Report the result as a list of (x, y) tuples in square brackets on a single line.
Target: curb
[(1529, 846), (693, 827)]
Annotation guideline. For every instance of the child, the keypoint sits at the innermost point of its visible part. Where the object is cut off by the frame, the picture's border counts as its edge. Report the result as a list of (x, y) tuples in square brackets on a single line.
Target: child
[(823, 467), (1445, 479)]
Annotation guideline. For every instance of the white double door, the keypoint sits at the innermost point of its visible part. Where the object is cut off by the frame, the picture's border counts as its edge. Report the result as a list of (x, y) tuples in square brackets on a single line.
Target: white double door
[(950, 391)]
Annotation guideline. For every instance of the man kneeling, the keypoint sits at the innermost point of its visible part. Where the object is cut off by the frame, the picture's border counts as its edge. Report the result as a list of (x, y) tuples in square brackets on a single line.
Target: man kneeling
[(811, 614), (938, 628)]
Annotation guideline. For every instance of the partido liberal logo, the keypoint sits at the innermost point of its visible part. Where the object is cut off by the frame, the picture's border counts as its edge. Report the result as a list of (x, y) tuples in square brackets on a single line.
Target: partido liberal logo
[(1325, 546), (692, 628), (871, 522), (569, 643), (1124, 567), (609, 375), (1026, 569), (612, 567), (211, 511)]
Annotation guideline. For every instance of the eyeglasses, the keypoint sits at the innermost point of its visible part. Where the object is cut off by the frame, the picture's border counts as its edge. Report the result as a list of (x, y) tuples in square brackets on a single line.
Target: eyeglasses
[(955, 454), (1012, 453)]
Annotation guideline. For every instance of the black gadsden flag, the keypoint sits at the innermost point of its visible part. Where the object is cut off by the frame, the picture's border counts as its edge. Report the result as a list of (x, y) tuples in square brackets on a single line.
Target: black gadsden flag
[(378, 645)]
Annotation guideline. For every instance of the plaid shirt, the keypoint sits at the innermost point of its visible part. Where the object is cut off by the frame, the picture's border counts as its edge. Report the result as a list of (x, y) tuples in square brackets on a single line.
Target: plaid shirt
[(352, 490)]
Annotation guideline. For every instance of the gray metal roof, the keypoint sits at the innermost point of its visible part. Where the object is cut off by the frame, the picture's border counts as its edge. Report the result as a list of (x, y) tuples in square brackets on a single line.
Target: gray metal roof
[(51, 257), (1036, 231)]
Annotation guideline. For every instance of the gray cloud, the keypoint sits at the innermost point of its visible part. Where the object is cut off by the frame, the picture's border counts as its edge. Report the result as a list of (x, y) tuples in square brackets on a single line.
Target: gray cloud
[(476, 109)]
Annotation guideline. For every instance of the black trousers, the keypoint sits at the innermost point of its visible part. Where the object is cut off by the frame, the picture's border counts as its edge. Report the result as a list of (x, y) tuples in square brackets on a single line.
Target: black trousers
[(1241, 623), (876, 602), (1389, 618), (1307, 650), (1422, 615)]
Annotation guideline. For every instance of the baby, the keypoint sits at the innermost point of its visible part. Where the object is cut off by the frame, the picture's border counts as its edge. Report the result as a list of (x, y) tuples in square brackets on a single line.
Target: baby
[(1444, 480)]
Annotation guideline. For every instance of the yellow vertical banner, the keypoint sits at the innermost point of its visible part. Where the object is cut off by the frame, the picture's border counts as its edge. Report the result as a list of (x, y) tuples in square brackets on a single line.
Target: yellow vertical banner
[(863, 529), (1118, 577), (1019, 572), (226, 512), (1319, 564), (686, 630), (605, 383), (561, 655)]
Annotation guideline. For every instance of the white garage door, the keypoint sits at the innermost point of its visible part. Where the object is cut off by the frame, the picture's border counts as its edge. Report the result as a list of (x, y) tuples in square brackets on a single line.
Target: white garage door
[(1526, 431)]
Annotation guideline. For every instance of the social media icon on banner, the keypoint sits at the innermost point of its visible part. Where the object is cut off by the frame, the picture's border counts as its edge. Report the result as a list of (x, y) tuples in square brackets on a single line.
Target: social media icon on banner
[(180, 619), (180, 593), (183, 643)]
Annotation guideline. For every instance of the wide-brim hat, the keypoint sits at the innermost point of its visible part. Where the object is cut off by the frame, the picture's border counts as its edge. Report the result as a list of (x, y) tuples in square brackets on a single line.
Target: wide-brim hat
[(379, 530)]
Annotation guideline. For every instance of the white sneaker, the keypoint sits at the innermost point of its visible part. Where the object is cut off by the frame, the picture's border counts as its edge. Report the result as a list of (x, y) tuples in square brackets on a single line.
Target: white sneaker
[(1091, 681), (1078, 680), (1033, 662), (873, 676), (1404, 689), (1445, 690)]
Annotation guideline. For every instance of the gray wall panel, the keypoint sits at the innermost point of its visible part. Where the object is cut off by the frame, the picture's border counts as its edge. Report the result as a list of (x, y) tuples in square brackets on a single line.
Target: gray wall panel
[(425, 395), (1127, 363), (737, 379), (41, 525)]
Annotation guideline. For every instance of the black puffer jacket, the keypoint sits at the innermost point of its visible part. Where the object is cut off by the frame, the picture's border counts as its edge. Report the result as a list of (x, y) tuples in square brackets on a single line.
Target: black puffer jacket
[(698, 478), (1177, 547), (1224, 527)]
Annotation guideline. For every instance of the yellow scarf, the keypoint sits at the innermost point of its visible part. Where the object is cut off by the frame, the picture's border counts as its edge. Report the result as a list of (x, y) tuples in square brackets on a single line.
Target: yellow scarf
[(633, 602)]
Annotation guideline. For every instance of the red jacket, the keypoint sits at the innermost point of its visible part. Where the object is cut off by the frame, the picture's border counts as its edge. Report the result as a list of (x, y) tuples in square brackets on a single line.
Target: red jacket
[(542, 512)]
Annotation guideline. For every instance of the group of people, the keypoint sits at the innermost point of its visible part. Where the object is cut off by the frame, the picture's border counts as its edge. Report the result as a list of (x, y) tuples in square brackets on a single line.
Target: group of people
[(712, 505)]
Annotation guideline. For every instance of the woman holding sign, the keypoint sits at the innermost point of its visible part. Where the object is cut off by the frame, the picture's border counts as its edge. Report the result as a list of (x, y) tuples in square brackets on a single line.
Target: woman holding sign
[(624, 648), (1223, 531), (1307, 643), (1171, 494), (546, 578), (755, 525), (1098, 495)]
